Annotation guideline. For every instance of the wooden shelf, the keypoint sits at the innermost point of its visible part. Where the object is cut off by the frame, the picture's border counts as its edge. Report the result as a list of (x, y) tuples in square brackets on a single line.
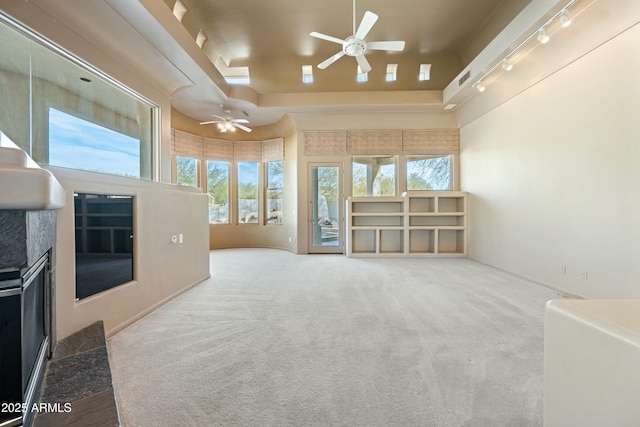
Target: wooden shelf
[(418, 223)]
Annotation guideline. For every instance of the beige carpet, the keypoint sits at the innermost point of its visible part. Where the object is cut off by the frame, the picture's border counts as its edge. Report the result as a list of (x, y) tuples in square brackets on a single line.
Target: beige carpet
[(277, 339)]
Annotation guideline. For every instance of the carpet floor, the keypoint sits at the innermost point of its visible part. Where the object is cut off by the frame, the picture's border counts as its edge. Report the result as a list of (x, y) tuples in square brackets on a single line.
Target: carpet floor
[(278, 339)]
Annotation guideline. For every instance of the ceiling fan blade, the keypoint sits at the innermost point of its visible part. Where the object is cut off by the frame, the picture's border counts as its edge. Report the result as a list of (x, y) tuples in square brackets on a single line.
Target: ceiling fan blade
[(234, 121), (331, 60), (366, 24), (396, 46), (326, 37), (363, 63), (219, 117), (211, 122), (243, 127)]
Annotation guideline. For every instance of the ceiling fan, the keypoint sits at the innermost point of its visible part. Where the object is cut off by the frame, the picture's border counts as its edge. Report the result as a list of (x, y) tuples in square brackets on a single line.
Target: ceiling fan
[(227, 123), (355, 45)]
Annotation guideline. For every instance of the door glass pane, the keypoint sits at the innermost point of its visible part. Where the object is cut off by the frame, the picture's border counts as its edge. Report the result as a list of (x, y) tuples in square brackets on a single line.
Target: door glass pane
[(326, 209)]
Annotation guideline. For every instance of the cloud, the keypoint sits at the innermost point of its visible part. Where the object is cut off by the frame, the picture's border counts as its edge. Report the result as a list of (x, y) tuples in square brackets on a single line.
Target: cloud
[(79, 144)]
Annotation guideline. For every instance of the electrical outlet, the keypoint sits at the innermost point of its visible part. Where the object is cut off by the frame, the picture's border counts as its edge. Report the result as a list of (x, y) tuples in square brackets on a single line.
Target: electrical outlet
[(174, 239), (585, 275)]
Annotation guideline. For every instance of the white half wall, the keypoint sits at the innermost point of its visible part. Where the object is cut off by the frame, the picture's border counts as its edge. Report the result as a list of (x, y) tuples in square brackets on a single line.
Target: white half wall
[(162, 270), (554, 180)]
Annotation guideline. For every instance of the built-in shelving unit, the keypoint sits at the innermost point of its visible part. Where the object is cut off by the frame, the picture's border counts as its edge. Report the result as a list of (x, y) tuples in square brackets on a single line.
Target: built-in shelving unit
[(418, 223), (104, 225)]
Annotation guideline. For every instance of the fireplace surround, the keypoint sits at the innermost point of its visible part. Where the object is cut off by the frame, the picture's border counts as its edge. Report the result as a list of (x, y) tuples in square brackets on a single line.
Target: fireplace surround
[(27, 332)]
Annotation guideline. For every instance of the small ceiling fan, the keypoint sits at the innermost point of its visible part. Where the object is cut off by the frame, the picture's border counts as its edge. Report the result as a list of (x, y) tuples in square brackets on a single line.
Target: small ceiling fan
[(355, 45), (227, 123)]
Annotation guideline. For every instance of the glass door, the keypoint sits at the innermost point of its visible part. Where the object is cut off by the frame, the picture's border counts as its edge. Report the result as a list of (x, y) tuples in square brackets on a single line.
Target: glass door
[(326, 205)]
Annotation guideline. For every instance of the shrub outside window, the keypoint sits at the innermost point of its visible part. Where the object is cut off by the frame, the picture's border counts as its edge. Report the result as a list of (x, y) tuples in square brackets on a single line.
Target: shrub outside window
[(218, 191), (274, 192), (248, 192)]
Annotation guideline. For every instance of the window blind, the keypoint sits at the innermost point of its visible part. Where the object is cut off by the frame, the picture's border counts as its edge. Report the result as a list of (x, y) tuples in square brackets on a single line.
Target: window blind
[(186, 144), (318, 143), (247, 151), (436, 142), (218, 149), (273, 150), (374, 142)]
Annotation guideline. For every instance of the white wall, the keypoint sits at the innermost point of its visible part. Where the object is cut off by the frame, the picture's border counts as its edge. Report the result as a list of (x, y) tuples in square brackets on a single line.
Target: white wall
[(554, 178)]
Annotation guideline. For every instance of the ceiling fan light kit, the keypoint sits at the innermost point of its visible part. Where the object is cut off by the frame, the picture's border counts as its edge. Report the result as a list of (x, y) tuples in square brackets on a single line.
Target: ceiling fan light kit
[(227, 123)]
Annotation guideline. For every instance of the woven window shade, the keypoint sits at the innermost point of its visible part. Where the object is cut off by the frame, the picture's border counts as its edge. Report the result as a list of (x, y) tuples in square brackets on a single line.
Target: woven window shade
[(374, 142), (325, 143), (186, 144), (247, 151), (431, 142), (218, 149), (273, 150)]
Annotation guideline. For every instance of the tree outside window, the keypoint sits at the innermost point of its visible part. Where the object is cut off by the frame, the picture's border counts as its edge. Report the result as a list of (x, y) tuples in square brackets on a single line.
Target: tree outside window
[(218, 191), (186, 171), (374, 176), (248, 192), (275, 178), (429, 173)]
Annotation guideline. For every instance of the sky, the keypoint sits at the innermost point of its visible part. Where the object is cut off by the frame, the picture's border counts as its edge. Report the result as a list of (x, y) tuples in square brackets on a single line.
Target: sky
[(79, 144)]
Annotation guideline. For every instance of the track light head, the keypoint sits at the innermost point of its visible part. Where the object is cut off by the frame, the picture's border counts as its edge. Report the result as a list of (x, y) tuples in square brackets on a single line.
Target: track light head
[(565, 19), (480, 86), (542, 36), (507, 65)]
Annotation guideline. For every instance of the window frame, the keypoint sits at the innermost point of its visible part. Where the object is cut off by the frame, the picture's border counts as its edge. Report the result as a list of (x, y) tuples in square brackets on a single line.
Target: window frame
[(267, 192)]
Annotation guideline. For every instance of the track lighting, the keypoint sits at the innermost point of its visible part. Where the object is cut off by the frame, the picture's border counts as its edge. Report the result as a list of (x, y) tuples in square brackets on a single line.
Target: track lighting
[(542, 36), (565, 19), (562, 16)]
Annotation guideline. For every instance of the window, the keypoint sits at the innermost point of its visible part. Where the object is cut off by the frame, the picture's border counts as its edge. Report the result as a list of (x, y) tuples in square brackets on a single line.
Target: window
[(218, 190), (374, 176), (428, 172), (63, 112), (274, 192), (248, 192), (186, 171), (79, 144)]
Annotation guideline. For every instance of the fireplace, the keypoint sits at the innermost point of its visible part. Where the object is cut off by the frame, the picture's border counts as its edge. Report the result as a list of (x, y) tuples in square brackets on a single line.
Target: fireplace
[(25, 331), (27, 312)]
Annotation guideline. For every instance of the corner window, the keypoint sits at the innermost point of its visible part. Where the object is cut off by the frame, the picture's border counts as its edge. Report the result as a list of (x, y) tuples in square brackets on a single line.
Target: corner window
[(186, 171), (218, 191), (274, 192), (248, 192), (374, 176), (428, 172)]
